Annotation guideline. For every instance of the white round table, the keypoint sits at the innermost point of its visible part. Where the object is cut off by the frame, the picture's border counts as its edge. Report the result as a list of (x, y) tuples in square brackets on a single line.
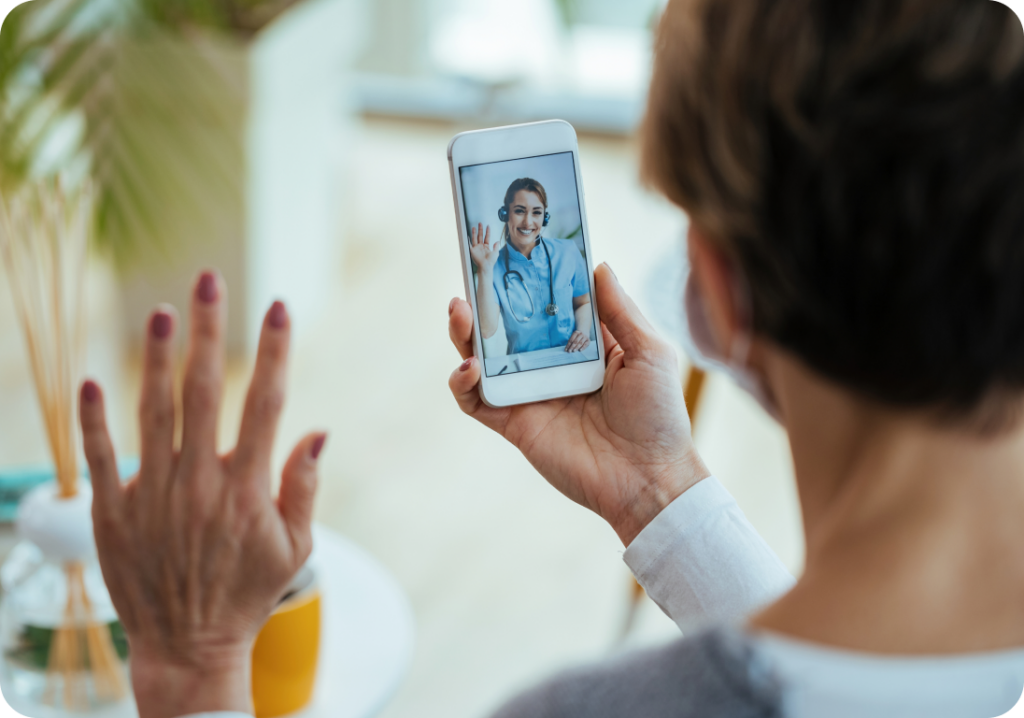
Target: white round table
[(367, 632), (367, 636)]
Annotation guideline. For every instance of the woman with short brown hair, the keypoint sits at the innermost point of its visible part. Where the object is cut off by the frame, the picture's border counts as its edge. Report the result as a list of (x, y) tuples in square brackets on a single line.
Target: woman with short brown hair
[(854, 175)]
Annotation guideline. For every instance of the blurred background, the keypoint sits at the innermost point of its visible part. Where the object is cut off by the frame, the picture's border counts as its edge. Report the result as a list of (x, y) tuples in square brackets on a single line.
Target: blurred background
[(299, 147)]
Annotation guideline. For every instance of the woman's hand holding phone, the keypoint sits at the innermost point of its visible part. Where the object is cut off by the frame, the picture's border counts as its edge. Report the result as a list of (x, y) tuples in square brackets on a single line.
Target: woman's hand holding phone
[(624, 452)]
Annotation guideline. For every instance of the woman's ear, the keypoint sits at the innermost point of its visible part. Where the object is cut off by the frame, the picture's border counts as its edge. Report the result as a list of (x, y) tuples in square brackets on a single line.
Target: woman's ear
[(715, 280)]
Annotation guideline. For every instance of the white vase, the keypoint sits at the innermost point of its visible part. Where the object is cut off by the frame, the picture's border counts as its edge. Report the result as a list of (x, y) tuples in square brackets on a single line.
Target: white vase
[(52, 585)]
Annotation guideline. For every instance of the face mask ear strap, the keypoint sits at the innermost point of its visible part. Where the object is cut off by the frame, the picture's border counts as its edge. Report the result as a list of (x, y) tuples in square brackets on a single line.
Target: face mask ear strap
[(698, 338), (739, 352), (739, 349)]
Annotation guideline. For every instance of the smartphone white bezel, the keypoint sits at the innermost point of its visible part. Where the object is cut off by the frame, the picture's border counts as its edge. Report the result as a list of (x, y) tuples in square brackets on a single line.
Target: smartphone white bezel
[(512, 143)]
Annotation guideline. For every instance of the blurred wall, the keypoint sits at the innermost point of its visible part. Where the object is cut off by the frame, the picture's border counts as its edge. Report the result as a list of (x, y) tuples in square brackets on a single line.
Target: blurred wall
[(398, 34)]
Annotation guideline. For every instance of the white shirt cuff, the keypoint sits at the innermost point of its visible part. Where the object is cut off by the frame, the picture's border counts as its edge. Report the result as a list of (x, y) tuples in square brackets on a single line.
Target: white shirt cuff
[(702, 561)]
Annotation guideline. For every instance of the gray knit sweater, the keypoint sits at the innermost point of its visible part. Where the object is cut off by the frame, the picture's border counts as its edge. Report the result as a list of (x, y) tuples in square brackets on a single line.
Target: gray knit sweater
[(711, 675)]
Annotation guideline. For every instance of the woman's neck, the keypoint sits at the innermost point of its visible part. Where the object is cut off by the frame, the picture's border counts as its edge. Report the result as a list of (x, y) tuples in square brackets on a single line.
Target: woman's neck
[(913, 529), (525, 250)]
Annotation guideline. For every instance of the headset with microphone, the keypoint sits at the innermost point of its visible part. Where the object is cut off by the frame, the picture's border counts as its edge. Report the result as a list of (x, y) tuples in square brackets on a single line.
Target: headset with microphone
[(552, 308)]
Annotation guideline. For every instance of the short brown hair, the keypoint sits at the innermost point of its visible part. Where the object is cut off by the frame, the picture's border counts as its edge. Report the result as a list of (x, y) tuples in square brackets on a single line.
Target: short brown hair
[(862, 161)]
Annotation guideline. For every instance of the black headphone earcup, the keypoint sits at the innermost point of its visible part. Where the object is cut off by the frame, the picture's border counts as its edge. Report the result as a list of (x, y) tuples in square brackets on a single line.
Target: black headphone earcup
[(503, 214), (547, 218)]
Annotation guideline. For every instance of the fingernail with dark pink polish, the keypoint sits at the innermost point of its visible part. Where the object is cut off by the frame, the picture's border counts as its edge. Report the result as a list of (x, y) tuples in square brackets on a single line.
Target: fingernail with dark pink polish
[(466, 364), (90, 392), (207, 288), (160, 325), (318, 446), (278, 315)]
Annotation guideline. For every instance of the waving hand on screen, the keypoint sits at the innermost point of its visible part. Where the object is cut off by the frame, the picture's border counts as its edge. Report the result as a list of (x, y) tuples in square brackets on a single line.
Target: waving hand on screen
[(484, 253)]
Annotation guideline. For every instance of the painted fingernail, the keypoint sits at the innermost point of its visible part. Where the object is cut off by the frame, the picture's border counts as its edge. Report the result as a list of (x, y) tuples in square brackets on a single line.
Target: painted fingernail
[(278, 315), (451, 306), (207, 288), (318, 446), (90, 392), (160, 325), (466, 364)]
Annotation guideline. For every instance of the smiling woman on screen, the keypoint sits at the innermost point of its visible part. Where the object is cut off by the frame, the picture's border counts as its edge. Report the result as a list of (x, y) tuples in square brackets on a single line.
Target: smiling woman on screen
[(531, 279)]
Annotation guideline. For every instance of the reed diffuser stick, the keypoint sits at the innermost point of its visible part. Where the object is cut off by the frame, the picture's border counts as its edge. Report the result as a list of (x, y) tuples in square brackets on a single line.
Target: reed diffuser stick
[(44, 236)]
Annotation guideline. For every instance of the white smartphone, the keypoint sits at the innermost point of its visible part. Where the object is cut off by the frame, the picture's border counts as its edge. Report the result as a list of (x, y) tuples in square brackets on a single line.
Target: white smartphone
[(526, 260)]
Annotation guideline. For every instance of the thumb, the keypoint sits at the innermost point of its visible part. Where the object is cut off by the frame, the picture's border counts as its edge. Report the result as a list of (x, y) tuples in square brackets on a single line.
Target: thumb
[(298, 488), (621, 317)]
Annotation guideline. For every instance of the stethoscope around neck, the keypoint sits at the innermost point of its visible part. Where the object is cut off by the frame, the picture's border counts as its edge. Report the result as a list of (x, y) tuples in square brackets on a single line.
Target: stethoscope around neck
[(512, 274)]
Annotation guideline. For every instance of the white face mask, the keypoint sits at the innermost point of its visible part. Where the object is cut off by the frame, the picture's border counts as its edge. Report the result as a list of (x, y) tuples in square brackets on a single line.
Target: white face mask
[(699, 343)]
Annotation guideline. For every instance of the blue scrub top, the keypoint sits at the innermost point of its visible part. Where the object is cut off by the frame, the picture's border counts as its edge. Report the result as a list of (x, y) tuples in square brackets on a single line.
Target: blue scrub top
[(571, 279)]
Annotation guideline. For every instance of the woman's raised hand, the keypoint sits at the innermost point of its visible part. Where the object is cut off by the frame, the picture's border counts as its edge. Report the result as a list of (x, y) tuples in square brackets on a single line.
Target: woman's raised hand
[(484, 253), (624, 452), (194, 549)]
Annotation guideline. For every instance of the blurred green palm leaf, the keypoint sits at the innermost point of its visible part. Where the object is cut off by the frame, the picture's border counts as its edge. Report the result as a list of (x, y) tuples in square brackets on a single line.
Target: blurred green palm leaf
[(568, 10), (48, 64), (241, 17), (149, 97)]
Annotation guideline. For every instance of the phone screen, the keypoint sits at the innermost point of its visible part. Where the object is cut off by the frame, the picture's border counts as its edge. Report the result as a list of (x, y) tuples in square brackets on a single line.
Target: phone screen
[(534, 299)]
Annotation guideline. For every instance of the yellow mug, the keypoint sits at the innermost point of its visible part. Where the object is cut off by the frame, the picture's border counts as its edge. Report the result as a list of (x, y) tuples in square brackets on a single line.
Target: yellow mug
[(285, 656)]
